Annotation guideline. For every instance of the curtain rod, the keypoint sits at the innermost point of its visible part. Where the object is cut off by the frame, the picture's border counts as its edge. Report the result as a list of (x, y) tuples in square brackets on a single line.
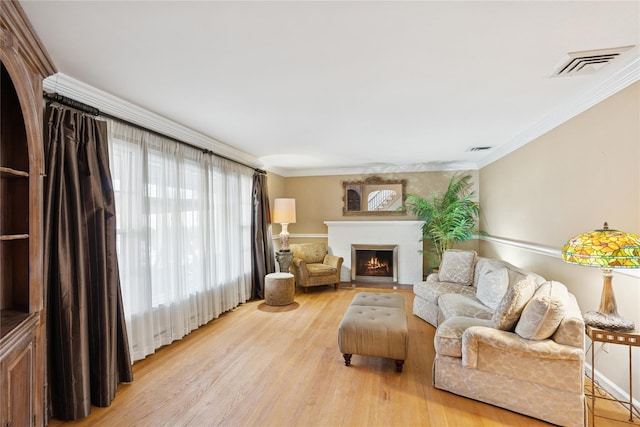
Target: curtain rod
[(88, 109)]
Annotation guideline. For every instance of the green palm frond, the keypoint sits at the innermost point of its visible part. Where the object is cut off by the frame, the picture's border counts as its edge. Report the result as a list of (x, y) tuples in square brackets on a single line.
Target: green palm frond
[(450, 217)]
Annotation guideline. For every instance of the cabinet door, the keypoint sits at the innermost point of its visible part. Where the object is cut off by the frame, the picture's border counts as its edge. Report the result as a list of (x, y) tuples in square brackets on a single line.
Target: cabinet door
[(16, 384)]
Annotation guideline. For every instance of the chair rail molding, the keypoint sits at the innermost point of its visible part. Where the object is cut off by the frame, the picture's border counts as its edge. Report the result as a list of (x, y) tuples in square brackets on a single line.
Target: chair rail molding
[(545, 250), (302, 236)]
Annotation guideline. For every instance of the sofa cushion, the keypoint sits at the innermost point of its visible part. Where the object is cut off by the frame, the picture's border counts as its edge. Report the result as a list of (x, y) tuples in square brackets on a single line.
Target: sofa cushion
[(448, 339), (571, 329), (431, 290), (452, 305), (492, 285), (544, 312), (457, 266), (484, 265), (508, 311)]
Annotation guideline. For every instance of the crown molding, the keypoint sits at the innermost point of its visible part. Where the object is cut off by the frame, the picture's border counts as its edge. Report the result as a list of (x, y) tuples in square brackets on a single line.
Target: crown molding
[(377, 169), (626, 76), (117, 107)]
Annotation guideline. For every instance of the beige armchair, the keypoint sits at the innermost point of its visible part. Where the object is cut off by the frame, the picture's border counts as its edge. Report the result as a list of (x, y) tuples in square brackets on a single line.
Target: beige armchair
[(312, 266)]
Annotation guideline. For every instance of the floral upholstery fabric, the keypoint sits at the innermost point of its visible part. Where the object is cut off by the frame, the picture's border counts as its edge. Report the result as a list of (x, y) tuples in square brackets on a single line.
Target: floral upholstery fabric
[(508, 311), (492, 285), (544, 312), (312, 266), (540, 378), (452, 305), (554, 405), (316, 270), (309, 252), (457, 266), (571, 329), (485, 265), (425, 310), (425, 303), (498, 351), (448, 339), (432, 289)]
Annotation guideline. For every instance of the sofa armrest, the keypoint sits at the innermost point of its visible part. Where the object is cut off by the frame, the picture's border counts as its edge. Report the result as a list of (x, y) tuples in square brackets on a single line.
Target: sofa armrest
[(299, 269), (512, 346), (333, 261)]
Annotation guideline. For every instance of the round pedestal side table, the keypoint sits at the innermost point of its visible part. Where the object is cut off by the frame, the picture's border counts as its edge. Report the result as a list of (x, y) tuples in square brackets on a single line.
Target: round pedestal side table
[(279, 289)]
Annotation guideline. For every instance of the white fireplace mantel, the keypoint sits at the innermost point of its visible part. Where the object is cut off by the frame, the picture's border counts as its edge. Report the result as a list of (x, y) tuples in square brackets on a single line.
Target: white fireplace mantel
[(405, 234)]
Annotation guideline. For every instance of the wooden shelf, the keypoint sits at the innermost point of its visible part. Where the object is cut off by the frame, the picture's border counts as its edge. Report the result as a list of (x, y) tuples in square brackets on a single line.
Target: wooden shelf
[(9, 320), (6, 172), (23, 66), (8, 237)]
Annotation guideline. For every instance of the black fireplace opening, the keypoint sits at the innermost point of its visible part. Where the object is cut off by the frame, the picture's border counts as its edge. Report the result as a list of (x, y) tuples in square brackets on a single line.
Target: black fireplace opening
[(374, 263)]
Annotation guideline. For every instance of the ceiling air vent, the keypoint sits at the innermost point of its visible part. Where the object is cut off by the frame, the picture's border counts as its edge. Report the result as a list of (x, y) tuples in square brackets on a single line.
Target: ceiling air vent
[(472, 149), (586, 61)]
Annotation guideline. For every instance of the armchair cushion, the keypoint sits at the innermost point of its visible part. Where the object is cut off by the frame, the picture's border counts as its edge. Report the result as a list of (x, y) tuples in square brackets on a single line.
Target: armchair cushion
[(316, 270)]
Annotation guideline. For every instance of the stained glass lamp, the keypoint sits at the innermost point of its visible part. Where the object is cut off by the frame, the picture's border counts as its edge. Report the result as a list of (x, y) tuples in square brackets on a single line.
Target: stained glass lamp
[(606, 249)]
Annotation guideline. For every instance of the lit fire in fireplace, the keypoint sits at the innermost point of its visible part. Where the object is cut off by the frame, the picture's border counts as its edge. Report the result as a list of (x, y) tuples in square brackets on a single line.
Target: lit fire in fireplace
[(374, 265)]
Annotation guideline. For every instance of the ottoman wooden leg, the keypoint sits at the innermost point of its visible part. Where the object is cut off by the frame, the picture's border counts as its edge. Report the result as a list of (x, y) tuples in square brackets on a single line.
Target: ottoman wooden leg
[(399, 364), (347, 359)]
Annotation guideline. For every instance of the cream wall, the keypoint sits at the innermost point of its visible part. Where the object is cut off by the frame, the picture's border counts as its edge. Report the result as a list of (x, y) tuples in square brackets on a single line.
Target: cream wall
[(320, 198), (567, 182)]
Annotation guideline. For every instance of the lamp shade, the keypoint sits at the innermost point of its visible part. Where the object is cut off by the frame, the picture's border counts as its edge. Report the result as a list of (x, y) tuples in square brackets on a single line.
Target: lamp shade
[(603, 248), (284, 211)]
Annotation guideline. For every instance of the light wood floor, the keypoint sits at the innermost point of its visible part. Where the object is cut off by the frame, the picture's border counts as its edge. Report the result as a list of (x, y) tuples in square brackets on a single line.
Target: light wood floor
[(280, 366)]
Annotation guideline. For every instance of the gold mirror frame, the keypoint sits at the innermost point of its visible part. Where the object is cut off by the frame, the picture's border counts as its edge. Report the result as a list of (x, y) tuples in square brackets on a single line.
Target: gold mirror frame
[(391, 194)]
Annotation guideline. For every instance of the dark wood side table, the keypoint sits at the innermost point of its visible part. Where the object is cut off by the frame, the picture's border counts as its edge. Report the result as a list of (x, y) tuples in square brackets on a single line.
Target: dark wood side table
[(630, 339)]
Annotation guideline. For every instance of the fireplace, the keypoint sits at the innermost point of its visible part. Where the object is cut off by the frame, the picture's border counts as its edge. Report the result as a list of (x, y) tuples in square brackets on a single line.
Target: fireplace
[(407, 235), (374, 263)]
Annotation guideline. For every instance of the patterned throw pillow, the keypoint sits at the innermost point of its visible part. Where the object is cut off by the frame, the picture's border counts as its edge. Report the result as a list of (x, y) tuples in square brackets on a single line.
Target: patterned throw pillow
[(492, 285), (457, 266), (508, 311), (544, 312)]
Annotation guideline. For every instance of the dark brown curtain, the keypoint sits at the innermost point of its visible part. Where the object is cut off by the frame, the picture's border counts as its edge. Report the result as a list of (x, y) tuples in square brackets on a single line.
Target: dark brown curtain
[(262, 247), (87, 346)]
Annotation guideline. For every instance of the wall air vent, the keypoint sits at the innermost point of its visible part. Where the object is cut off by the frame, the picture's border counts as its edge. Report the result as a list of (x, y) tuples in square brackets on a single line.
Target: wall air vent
[(472, 149), (586, 61)]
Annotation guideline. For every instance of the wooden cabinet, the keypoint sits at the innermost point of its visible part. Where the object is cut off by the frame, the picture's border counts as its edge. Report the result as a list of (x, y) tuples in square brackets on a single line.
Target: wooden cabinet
[(22, 358)]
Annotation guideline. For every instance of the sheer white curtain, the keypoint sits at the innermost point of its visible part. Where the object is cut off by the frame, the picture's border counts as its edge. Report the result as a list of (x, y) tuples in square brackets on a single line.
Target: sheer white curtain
[(184, 235)]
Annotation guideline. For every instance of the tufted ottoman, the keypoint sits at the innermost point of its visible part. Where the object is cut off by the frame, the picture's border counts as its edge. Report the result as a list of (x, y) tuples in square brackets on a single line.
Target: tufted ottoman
[(375, 324), (379, 299), (279, 289)]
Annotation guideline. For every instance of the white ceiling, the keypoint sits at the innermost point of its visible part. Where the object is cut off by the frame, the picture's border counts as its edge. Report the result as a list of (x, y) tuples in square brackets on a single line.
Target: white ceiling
[(321, 87)]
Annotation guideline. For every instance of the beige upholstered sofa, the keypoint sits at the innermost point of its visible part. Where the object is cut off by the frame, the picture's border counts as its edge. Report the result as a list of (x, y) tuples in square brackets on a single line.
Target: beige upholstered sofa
[(313, 266), (505, 337)]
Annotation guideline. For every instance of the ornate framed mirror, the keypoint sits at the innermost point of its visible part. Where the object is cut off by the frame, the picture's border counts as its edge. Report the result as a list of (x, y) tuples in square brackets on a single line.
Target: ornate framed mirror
[(375, 196)]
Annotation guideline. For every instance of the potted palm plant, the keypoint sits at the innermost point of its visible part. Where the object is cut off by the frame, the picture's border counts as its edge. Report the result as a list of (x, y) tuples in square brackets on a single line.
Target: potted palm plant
[(449, 218)]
